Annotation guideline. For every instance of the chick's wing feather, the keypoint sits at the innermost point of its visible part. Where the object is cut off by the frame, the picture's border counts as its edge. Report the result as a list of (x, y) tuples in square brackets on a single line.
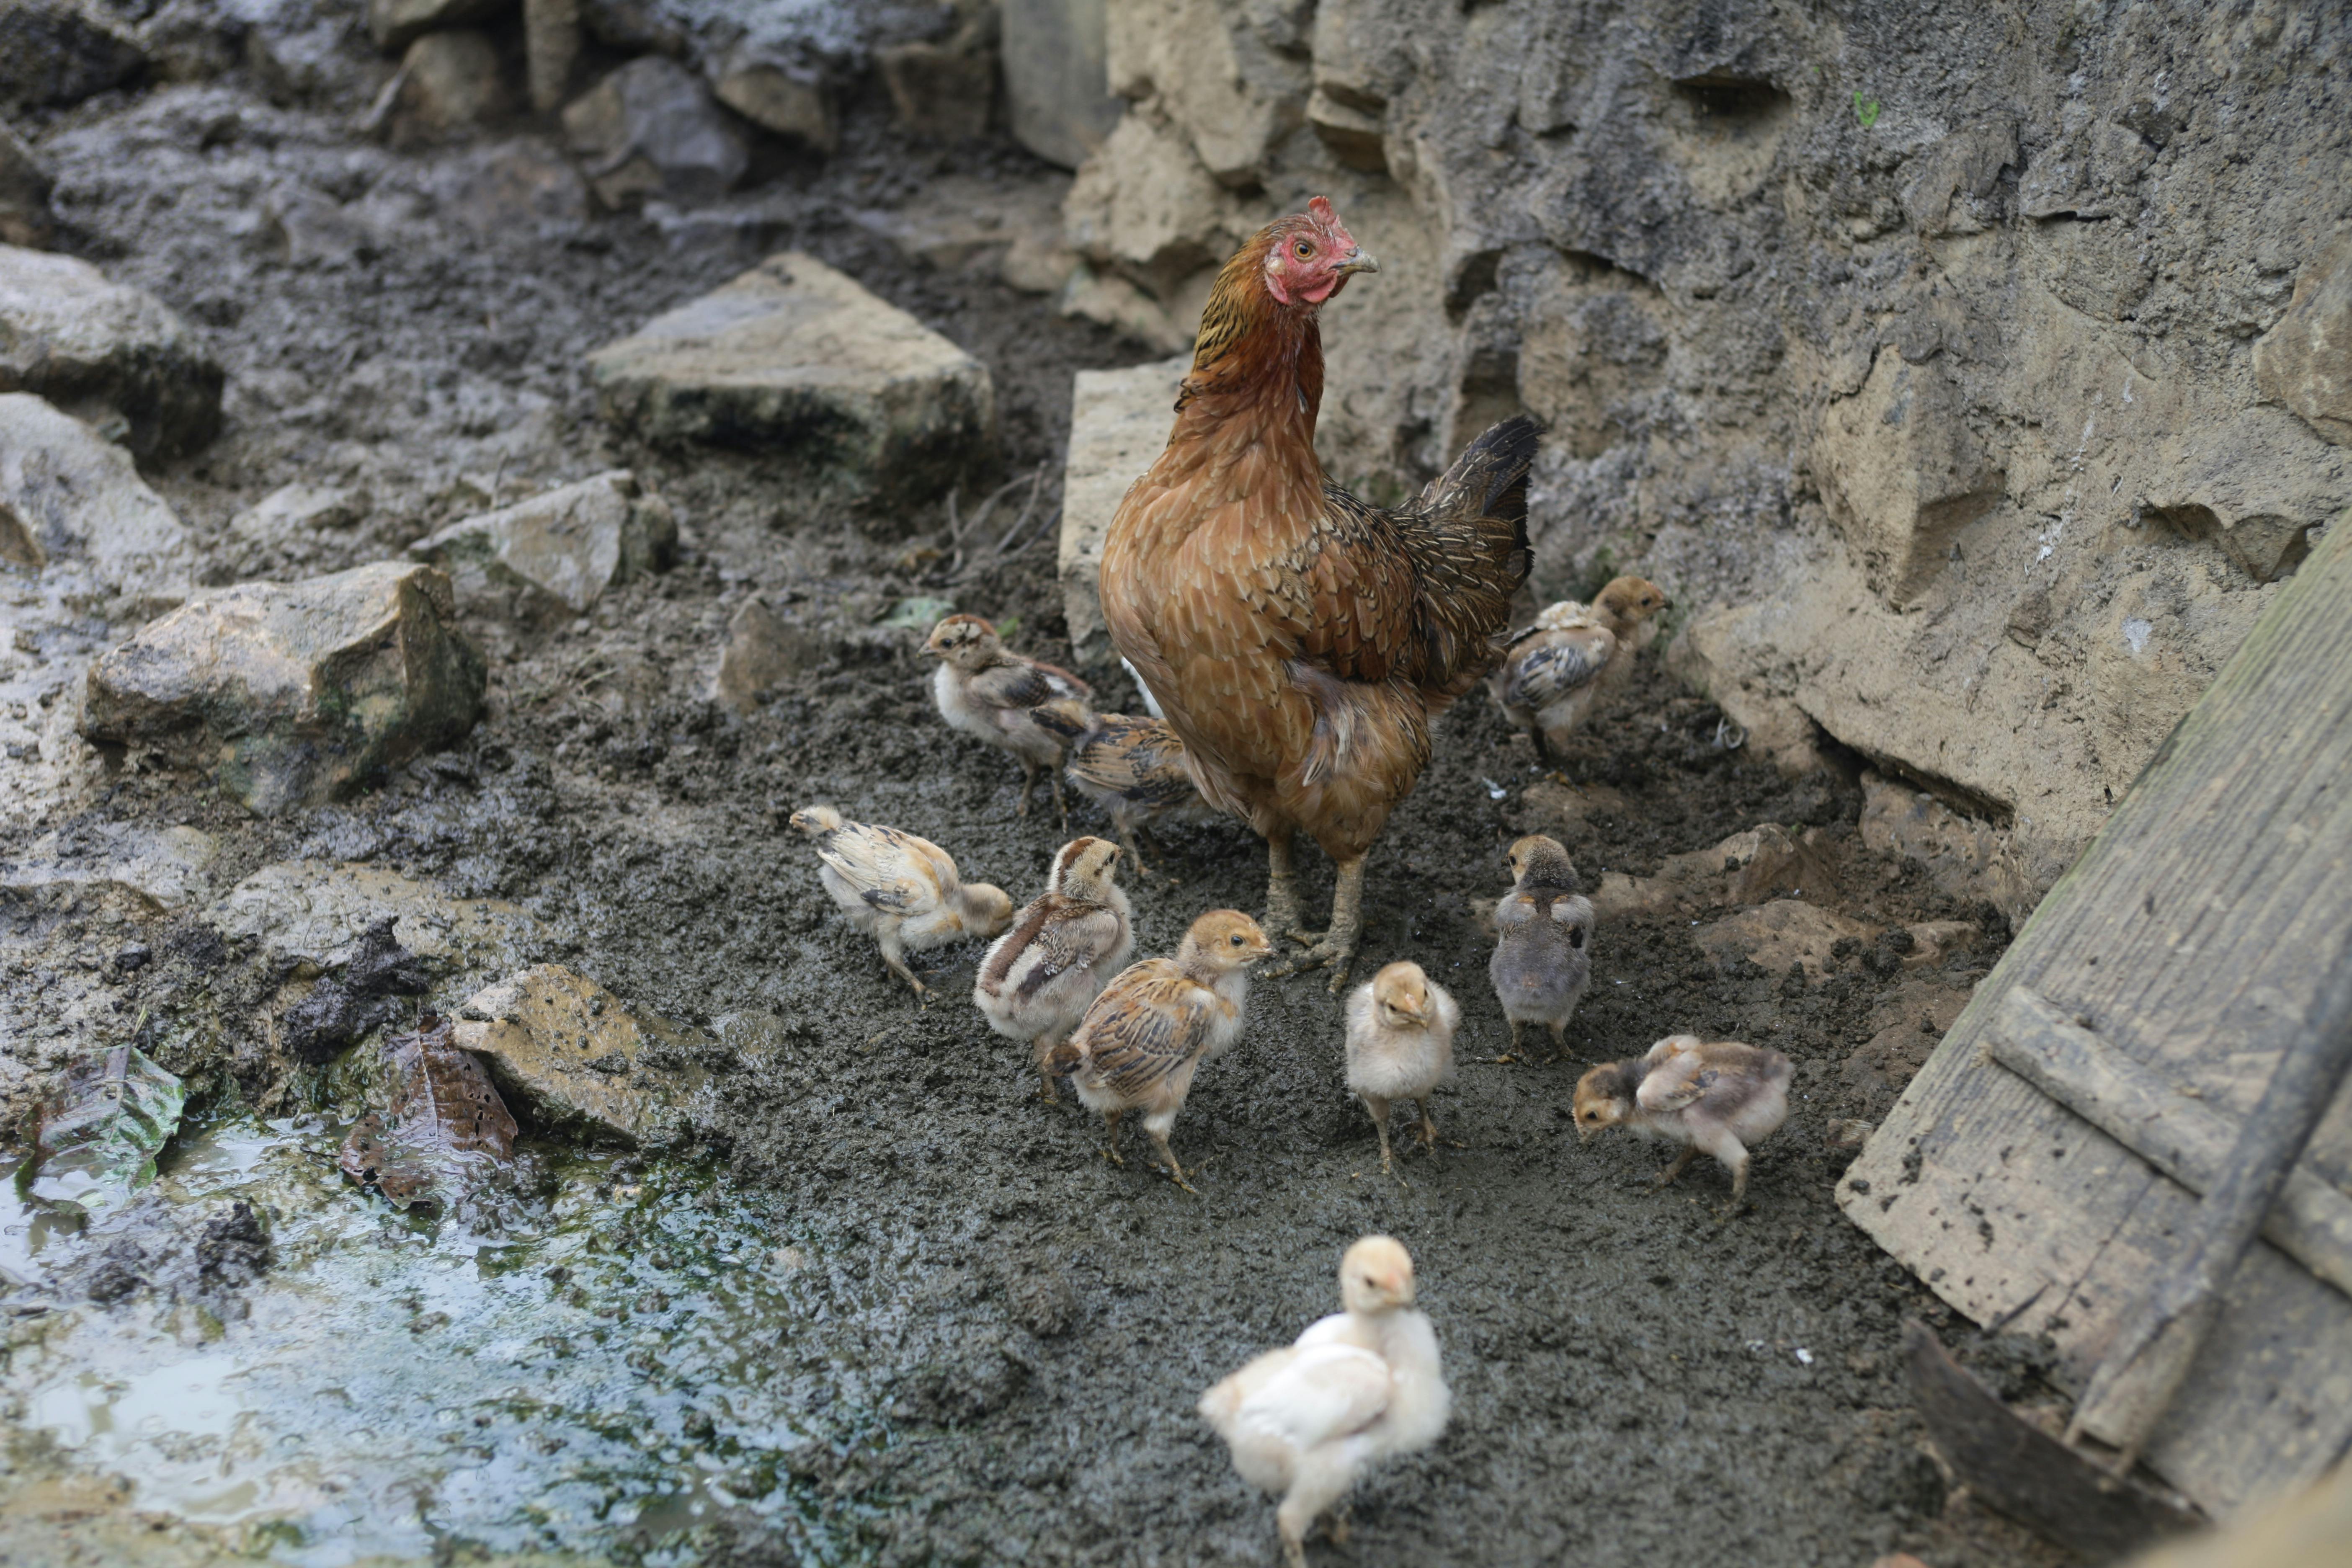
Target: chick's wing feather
[(1553, 664), (1327, 1390), (1144, 1026), (1026, 685), (1675, 1083), (896, 872), (1070, 944)]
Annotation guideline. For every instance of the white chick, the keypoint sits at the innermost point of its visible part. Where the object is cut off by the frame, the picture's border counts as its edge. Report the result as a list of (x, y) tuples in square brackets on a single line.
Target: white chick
[(901, 890), (1543, 949), (1553, 672), (1354, 1389), (1037, 979), (1142, 1039), (1399, 1045), (989, 692), (1717, 1097)]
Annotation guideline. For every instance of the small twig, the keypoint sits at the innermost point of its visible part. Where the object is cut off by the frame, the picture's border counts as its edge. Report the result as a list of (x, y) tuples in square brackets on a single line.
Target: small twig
[(1036, 487)]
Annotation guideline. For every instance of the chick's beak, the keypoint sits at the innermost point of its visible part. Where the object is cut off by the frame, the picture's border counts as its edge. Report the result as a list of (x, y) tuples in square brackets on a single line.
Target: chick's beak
[(1355, 261)]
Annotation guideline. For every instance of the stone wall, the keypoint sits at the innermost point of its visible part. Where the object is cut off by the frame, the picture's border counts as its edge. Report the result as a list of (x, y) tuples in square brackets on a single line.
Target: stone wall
[(1971, 373)]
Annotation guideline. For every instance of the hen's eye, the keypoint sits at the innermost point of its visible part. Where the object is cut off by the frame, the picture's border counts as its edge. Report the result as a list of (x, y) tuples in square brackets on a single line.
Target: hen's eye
[(1303, 249)]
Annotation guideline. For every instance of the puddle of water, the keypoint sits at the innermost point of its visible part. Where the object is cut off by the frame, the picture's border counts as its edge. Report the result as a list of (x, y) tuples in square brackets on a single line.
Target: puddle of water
[(577, 1367)]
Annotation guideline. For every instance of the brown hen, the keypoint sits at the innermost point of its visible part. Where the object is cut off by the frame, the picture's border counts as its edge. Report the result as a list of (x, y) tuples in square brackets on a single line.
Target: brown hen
[(1299, 640)]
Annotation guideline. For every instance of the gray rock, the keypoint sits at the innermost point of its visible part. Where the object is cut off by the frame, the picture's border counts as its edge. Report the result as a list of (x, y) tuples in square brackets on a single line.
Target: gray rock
[(62, 51), (1964, 856), (294, 694), (1775, 935), (651, 131), (24, 187), (303, 65), (939, 89), (396, 23), (89, 346), (74, 505), (2305, 362), (967, 224), (193, 40), (490, 189), (1902, 473), (1119, 421), (315, 913), (166, 870), (1055, 68), (793, 353), (552, 37), (449, 82), (763, 651), (571, 1055), (779, 95), (566, 546), (291, 526)]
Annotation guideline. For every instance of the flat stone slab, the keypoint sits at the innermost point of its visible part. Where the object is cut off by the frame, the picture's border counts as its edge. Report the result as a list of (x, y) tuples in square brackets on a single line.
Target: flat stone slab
[(314, 912), (566, 545), (96, 348), (794, 356), (294, 694), (72, 505), (1119, 421), (573, 1055)]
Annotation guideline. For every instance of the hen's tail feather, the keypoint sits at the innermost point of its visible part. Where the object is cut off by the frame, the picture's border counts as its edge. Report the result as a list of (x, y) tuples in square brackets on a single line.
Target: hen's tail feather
[(1491, 476), (1468, 540)]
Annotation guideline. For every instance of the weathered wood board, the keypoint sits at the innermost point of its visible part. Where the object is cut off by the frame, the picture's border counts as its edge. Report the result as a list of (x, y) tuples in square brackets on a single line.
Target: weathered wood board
[(2191, 936)]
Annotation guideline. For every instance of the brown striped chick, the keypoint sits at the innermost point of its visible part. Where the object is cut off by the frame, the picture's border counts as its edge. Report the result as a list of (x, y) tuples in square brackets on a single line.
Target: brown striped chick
[(901, 890), (992, 693), (1132, 768), (1400, 1028), (1717, 1097), (1553, 672), (1356, 1387), (1038, 977), (1543, 944), (1140, 1042)]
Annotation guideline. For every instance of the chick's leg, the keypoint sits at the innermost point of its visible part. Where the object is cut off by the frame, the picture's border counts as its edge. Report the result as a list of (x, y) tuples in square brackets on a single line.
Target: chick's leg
[(1281, 888), (1379, 1110), (1337, 946), (1110, 1130), (894, 953), (1682, 1162), (1028, 783), (1428, 1126), (1168, 1158)]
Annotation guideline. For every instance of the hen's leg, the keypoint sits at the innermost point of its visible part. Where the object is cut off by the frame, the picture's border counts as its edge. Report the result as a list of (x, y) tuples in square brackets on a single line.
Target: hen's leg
[(1281, 889), (1338, 947)]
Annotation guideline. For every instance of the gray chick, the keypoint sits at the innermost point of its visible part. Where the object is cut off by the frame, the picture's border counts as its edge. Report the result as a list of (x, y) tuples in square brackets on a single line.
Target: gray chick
[(1543, 958)]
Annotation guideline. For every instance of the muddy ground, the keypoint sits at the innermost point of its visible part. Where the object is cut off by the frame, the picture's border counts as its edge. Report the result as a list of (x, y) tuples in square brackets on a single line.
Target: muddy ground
[(995, 1338)]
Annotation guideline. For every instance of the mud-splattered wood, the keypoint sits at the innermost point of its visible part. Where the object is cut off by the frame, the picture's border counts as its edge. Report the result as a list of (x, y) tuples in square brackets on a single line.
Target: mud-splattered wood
[(2191, 938)]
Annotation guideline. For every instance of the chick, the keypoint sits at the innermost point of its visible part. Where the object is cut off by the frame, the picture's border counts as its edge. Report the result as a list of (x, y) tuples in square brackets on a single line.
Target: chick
[(991, 693), (1355, 1388), (1038, 977), (901, 890), (1553, 672), (1543, 955), (1133, 768), (1399, 1045), (1716, 1098), (1140, 1042)]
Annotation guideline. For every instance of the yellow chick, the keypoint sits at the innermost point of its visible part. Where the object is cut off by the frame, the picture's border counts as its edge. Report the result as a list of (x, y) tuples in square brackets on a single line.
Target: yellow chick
[(1132, 768), (1038, 977), (901, 890), (1553, 672), (992, 693), (1717, 1097), (1543, 945), (1140, 1042), (1356, 1387), (1400, 1028)]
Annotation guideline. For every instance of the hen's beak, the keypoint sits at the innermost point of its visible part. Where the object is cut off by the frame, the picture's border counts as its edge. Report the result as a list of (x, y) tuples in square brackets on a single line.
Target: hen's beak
[(1355, 261)]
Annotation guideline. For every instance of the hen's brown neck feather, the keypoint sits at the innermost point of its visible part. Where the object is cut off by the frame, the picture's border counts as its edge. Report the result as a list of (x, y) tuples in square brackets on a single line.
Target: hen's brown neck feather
[(1253, 356)]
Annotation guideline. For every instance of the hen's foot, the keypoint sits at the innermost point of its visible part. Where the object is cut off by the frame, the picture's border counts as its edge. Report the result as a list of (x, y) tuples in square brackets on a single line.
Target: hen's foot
[(1337, 950)]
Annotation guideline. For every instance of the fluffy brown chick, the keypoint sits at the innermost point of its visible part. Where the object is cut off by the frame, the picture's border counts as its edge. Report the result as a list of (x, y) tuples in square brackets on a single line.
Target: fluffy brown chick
[(1557, 670), (1400, 1028), (1140, 1042), (1717, 1097), (1038, 977), (1543, 944), (1132, 768), (992, 693), (901, 890)]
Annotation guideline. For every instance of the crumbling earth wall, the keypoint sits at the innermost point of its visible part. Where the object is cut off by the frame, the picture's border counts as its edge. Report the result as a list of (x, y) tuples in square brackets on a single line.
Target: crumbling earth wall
[(1970, 373)]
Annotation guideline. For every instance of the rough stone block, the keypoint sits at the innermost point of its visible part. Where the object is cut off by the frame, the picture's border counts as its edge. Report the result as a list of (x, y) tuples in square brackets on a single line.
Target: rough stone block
[(91, 346), (792, 354), (314, 913), (1234, 97), (1055, 61), (25, 185), (1119, 421), (62, 51), (2305, 361), (294, 694), (1964, 857), (71, 500), (763, 651), (779, 95), (396, 23), (566, 546), (449, 82), (1145, 205), (1355, 136), (552, 37), (650, 130), (1776, 935), (1902, 474), (572, 1055), (939, 90)]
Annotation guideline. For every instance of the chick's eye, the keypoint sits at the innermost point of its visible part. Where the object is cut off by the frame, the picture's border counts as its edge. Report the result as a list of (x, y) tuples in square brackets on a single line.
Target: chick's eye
[(1235, 939)]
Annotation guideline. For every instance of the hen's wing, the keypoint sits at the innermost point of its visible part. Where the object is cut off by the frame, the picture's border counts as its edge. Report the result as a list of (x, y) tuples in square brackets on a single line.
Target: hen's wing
[(896, 872), (1546, 669), (1143, 1027), (1022, 684), (1325, 1391)]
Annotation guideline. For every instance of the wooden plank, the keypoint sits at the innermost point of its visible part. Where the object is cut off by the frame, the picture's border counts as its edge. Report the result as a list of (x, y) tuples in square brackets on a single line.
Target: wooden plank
[(2186, 1139), (2191, 936)]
